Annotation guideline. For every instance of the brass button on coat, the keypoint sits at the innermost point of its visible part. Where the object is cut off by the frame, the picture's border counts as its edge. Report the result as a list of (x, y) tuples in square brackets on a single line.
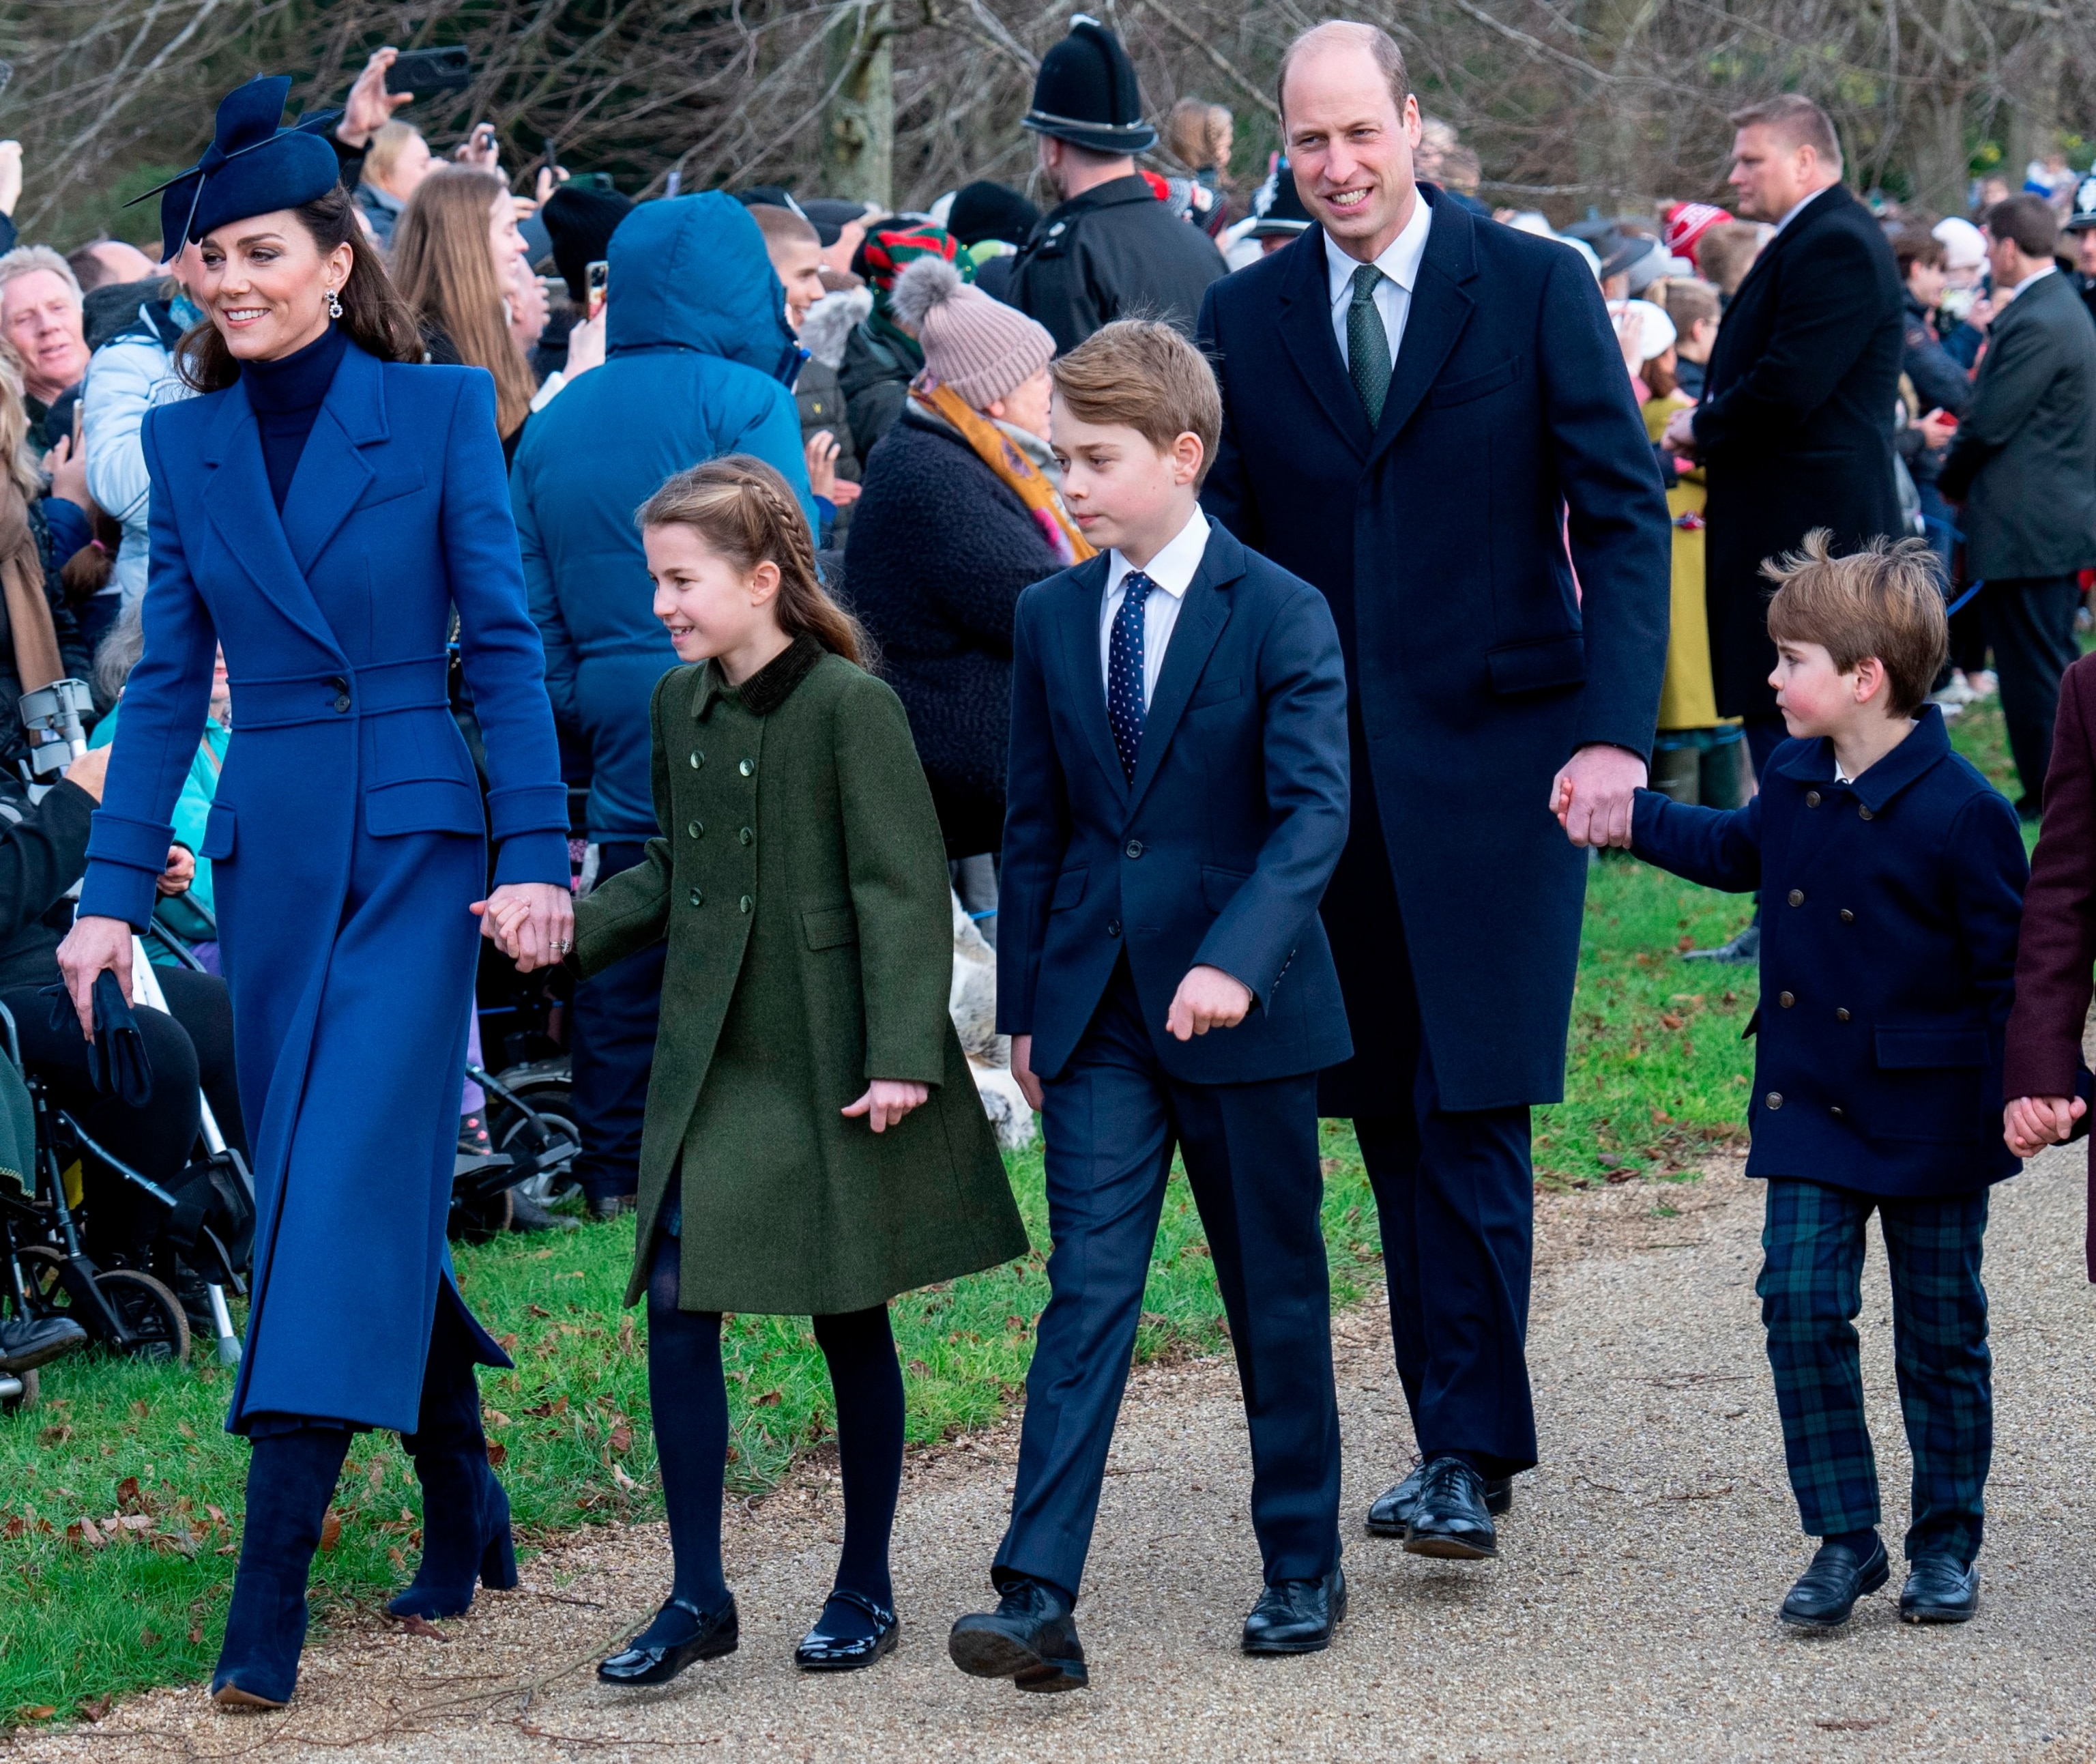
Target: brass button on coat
[(1797, 897), (747, 767), (1847, 917), (1786, 999), (1774, 1100), (1812, 799)]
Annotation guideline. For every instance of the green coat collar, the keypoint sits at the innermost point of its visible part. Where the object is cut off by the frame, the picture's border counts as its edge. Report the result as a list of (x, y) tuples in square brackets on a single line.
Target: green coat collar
[(766, 690)]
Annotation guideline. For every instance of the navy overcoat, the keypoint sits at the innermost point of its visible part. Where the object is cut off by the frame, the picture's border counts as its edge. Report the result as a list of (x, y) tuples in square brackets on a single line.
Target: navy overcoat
[(1216, 852), (1475, 663), (1889, 912), (347, 838)]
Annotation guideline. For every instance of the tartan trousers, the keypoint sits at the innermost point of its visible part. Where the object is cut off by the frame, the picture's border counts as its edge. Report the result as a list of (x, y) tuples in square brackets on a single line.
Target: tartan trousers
[(1811, 1292)]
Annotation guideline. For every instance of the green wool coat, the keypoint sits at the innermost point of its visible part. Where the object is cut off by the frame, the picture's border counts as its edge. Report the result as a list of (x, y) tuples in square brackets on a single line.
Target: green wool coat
[(800, 883)]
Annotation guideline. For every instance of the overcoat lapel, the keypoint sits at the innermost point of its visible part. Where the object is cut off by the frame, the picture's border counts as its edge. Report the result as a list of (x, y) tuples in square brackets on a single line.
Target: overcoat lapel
[(332, 472), (236, 497), (1206, 609), (1306, 329), (1078, 623), (1440, 310)]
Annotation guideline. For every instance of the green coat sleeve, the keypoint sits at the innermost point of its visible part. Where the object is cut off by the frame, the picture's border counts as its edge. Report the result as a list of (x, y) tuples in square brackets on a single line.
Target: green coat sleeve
[(632, 910), (895, 861)]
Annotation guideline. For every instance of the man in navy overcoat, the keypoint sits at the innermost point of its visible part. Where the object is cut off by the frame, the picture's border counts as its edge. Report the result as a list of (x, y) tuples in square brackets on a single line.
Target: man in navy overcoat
[(1427, 416)]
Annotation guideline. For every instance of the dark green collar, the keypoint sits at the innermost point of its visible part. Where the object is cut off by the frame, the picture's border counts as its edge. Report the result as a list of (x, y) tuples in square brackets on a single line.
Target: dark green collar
[(769, 687)]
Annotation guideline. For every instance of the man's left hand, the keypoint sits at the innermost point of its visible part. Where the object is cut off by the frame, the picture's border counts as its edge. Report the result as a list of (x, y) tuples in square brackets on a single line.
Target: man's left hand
[(1593, 794), (1680, 435), (369, 107), (1208, 998)]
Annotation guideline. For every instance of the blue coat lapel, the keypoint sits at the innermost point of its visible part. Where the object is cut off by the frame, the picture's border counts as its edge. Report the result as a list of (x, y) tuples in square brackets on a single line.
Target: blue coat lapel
[(1205, 610), (236, 497), (1306, 329), (333, 473), (1440, 310), (1078, 623)]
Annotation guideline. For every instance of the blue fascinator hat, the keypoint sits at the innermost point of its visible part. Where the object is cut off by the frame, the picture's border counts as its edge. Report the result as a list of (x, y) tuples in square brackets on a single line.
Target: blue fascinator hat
[(251, 166)]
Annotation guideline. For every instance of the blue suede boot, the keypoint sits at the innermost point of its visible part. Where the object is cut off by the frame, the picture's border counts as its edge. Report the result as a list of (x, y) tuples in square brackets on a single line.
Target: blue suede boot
[(290, 1479), (465, 1515)]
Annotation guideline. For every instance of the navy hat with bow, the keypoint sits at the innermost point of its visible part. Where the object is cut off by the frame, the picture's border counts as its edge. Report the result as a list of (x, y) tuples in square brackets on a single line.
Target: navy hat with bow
[(251, 166)]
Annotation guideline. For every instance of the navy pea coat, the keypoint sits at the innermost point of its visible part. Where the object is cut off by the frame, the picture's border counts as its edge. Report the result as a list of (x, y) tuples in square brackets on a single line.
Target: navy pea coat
[(347, 839), (1218, 850), (1889, 912), (1510, 451)]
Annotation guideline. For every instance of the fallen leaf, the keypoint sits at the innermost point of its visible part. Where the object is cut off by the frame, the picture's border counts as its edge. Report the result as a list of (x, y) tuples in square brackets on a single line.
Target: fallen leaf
[(16, 1526), (770, 1399), (498, 1454), (918, 1368), (330, 1529), (217, 1515), (1668, 1020), (541, 1255), (619, 1475), (94, 1707), (398, 1559), (184, 1430), (55, 1436), (377, 1476), (149, 1638), (130, 1521), (142, 1408), (196, 1634), (507, 1343), (494, 1417), (627, 1343), (39, 1712), (84, 1532), (538, 1310), (421, 1626), (622, 1438), (129, 1497)]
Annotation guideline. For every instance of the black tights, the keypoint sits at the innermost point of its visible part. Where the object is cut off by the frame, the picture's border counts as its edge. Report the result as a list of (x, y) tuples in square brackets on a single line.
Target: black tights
[(687, 1396)]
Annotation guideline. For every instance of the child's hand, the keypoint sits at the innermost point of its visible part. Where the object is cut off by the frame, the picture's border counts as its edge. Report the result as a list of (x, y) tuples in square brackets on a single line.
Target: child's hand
[(1208, 998), (493, 927), (1022, 1072), (887, 1101), (2032, 1123)]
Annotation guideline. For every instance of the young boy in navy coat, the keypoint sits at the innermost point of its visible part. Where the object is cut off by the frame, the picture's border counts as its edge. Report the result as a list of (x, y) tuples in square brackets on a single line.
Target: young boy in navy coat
[(1177, 801), (1893, 875)]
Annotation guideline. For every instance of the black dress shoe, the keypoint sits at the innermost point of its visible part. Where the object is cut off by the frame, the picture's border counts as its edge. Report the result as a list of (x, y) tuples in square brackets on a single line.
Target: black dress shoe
[(642, 1662), (27, 1343), (526, 1214), (1297, 1617), (1940, 1589), (1392, 1511), (611, 1206), (1827, 1591), (818, 1652), (1031, 1638), (1450, 1519)]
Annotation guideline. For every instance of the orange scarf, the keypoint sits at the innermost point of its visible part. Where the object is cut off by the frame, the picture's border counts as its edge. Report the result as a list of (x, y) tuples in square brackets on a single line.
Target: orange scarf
[(1018, 474)]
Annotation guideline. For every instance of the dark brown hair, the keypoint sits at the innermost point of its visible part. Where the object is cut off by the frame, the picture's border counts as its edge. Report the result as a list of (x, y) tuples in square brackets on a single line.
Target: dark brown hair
[(1910, 247), (1885, 600), (87, 572), (447, 271), (2027, 222), (1794, 120), (1142, 374), (745, 511), (373, 313)]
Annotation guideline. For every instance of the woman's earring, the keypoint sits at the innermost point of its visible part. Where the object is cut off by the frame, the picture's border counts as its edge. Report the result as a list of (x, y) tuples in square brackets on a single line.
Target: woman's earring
[(334, 304)]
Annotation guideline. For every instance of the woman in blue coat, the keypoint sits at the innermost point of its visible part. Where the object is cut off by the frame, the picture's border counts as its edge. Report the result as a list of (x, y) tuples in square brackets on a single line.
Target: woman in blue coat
[(320, 511)]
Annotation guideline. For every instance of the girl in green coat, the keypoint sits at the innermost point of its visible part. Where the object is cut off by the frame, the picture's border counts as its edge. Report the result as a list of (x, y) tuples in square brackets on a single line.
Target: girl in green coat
[(813, 1141)]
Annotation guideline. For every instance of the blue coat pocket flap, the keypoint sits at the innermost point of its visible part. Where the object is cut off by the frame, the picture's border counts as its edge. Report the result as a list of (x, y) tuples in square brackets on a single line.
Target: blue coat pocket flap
[(1069, 889), (217, 833), (1540, 666), (423, 806), (1905, 1049), (826, 928), (1476, 384), (390, 486)]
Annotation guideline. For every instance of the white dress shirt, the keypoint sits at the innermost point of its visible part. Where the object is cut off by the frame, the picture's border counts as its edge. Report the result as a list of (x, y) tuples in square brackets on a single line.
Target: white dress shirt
[(1173, 570), (2039, 274), (1799, 208), (1399, 264)]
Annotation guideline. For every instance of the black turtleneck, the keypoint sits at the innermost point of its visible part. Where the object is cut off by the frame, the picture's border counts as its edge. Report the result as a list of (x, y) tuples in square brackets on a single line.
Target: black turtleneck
[(285, 395)]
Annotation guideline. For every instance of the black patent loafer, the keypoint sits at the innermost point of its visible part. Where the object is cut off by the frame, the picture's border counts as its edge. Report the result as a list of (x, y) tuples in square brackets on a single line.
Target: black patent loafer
[(1297, 1617), (1940, 1589), (714, 1633), (1392, 1510), (818, 1652), (1450, 1519), (1031, 1638), (1827, 1592)]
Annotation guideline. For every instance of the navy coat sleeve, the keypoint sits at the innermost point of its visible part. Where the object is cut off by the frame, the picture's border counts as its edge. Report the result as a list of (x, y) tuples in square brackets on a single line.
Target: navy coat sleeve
[(1037, 827), (1719, 848), (1226, 493), (1988, 874)]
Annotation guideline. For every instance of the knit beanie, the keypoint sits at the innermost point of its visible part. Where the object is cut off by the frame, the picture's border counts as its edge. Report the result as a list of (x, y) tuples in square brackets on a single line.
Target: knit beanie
[(582, 221), (982, 348)]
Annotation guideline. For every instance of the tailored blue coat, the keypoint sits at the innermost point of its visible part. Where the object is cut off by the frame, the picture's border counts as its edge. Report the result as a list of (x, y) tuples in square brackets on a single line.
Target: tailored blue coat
[(347, 838), (1510, 455), (1219, 850), (1889, 912)]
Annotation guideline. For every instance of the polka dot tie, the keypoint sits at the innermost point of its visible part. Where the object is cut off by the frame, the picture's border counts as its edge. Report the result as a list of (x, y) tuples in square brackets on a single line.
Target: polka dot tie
[(1125, 705)]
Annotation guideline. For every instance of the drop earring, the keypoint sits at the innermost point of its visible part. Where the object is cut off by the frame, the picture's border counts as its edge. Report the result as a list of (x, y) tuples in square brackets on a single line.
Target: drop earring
[(334, 305)]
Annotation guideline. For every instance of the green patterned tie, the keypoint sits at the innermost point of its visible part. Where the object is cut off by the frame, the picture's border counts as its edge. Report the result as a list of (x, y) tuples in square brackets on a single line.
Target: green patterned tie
[(1367, 345)]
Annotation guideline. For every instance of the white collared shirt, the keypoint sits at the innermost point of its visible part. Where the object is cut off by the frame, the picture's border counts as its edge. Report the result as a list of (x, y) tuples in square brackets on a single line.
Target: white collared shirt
[(1799, 208), (1399, 264), (1173, 570), (2036, 275)]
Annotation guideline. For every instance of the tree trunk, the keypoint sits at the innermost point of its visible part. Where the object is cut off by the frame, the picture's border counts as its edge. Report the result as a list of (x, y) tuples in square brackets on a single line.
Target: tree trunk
[(858, 121)]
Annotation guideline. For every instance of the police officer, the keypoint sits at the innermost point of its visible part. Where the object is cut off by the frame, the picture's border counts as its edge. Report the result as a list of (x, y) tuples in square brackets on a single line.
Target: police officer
[(2082, 225), (1111, 249)]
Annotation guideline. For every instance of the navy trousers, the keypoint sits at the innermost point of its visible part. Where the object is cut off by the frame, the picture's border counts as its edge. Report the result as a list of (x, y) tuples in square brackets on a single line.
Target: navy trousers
[(1811, 1293), (1111, 1122), (613, 1047)]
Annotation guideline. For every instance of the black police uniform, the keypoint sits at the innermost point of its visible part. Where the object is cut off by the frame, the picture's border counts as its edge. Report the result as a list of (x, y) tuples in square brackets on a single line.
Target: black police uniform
[(2081, 221)]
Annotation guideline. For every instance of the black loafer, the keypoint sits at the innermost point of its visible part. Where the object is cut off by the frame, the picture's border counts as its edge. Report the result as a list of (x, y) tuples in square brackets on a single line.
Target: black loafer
[(1450, 1519), (1031, 1638), (1827, 1592), (1297, 1617), (818, 1652), (1392, 1511), (1940, 1589), (716, 1633)]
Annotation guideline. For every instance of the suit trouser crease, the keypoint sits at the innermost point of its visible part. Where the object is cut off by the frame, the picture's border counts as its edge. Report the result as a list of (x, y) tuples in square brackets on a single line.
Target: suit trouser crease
[(2030, 625)]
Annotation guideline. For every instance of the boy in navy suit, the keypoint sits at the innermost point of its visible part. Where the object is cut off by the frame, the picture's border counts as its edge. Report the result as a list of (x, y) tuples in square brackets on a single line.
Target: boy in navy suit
[(1177, 803), (1893, 876)]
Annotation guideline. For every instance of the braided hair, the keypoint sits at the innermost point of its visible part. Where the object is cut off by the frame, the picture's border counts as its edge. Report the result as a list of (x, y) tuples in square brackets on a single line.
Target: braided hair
[(745, 510)]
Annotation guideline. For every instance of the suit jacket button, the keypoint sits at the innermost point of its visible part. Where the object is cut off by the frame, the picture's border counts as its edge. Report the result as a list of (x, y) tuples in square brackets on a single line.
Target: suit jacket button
[(1836, 1111), (1135, 848), (698, 897), (1840, 1016), (1786, 999), (696, 828), (1847, 917), (698, 759), (1864, 813), (745, 835), (1797, 897), (746, 904), (1812, 799), (747, 767), (342, 701), (1774, 1100), (1113, 927)]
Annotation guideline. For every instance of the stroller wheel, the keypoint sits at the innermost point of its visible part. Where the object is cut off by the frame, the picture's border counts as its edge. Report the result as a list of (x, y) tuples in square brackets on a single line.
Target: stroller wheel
[(25, 1392), (153, 1314), (481, 1220)]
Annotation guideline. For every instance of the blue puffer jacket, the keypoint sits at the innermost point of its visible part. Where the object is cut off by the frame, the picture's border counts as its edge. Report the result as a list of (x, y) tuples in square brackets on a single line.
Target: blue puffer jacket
[(698, 361)]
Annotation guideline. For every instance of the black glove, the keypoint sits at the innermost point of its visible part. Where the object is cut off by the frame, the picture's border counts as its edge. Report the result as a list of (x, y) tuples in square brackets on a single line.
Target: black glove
[(116, 1062)]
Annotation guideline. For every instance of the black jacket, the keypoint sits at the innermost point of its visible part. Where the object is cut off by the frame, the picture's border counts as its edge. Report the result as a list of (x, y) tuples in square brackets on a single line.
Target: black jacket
[(1116, 252), (1795, 424), (43, 852), (938, 553), (874, 381), (2024, 460)]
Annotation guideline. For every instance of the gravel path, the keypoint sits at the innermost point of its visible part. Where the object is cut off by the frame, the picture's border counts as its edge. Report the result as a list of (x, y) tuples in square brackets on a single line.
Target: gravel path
[(1631, 1615)]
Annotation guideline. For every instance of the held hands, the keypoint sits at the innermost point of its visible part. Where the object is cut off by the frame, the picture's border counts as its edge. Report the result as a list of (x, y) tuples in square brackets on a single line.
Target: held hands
[(1208, 998), (1022, 1072), (887, 1101), (90, 946), (1680, 435), (531, 922), (2032, 1123), (1593, 795)]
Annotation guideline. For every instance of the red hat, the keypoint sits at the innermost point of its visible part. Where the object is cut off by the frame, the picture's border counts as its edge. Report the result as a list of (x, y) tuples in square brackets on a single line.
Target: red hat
[(1686, 222)]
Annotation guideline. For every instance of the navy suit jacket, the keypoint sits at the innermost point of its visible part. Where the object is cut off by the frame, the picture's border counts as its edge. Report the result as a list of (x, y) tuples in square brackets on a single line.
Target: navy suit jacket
[(1510, 450), (1889, 912), (1217, 853)]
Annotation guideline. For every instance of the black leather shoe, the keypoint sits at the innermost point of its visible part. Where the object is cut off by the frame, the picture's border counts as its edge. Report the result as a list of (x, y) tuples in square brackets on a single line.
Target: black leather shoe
[(1392, 1511), (611, 1206), (27, 1343), (1450, 1519), (1827, 1591), (641, 1661), (818, 1652), (526, 1214), (1297, 1617), (1031, 1638), (1940, 1589)]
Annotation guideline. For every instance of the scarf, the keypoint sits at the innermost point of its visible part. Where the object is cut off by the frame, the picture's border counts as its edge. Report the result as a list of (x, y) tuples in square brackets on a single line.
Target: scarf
[(37, 662), (1018, 474)]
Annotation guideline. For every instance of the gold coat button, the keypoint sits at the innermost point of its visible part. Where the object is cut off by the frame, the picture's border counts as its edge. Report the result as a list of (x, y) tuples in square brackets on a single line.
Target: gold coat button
[(747, 903), (1864, 812), (747, 767), (1774, 1100), (698, 759), (1847, 917), (1796, 896), (1840, 1016), (1786, 999), (1812, 799)]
